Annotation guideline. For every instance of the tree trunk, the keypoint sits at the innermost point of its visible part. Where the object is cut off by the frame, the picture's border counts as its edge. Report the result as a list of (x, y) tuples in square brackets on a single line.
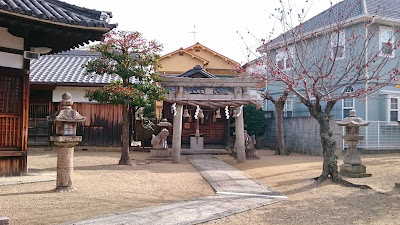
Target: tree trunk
[(280, 136), (329, 168), (125, 160)]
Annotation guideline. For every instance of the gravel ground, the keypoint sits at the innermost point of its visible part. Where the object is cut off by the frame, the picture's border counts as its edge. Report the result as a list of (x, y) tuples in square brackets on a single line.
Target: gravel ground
[(104, 187), (328, 203)]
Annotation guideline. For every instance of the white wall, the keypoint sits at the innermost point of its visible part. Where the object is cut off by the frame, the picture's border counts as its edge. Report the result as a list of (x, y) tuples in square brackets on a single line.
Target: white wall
[(77, 93), (9, 41)]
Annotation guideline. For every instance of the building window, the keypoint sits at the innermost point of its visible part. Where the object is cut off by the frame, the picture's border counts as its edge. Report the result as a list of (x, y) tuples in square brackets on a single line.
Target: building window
[(386, 40), (180, 53), (348, 103), (288, 109), (338, 43), (394, 110), (285, 59), (197, 50)]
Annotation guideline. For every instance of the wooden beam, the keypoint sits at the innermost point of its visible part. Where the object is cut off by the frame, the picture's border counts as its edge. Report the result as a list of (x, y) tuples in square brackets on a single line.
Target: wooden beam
[(12, 153)]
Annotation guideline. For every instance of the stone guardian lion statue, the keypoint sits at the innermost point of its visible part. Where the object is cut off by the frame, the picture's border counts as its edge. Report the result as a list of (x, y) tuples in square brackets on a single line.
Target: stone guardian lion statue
[(160, 141)]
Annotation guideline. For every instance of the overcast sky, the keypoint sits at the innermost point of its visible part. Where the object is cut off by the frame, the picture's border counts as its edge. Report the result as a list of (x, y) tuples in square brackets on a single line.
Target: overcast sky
[(217, 21)]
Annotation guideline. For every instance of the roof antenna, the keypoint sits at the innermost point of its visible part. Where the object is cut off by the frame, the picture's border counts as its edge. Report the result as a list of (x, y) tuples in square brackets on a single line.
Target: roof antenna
[(194, 32)]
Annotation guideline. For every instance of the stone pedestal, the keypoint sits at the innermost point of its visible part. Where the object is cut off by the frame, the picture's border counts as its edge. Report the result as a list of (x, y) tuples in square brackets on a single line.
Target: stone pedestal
[(65, 155), (251, 154), (352, 166), (354, 171), (160, 154), (4, 220)]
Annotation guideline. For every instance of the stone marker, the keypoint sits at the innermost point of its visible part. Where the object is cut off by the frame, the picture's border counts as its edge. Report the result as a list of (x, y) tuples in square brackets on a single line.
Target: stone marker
[(65, 121), (352, 165)]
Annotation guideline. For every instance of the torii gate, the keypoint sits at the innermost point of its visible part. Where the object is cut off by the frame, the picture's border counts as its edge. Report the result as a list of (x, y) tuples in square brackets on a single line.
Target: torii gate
[(240, 97)]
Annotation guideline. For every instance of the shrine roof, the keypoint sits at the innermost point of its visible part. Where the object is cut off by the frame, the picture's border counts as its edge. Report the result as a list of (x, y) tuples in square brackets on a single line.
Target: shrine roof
[(197, 71)]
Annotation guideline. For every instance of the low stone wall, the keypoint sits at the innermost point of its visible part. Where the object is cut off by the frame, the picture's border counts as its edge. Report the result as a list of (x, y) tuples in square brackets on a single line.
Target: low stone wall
[(4, 220), (301, 135)]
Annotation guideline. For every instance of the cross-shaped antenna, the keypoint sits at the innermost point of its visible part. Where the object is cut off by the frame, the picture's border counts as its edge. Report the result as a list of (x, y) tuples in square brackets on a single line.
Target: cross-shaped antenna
[(194, 32)]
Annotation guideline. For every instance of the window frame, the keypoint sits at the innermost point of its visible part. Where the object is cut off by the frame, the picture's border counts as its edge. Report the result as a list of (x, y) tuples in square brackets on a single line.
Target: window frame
[(352, 99), (381, 29), (283, 56), (389, 108), (288, 108), (341, 42)]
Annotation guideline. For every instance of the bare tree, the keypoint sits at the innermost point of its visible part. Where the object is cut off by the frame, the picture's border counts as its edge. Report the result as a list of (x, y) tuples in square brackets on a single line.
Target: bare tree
[(340, 53)]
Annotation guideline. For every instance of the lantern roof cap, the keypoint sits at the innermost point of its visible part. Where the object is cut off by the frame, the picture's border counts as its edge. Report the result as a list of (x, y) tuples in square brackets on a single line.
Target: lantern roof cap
[(352, 120)]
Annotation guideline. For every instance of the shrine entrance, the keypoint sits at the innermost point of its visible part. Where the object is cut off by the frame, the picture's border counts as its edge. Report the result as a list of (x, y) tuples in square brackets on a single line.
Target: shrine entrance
[(197, 96)]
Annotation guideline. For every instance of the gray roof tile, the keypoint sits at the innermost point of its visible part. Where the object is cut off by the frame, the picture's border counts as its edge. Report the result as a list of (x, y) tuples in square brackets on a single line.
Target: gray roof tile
[(57, 11), (345, 10), (66, 67), (197, 70)]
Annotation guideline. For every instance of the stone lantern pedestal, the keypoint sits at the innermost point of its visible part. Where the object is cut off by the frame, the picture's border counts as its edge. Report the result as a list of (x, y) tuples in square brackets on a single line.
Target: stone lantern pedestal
[(352, 165), (65, 122)]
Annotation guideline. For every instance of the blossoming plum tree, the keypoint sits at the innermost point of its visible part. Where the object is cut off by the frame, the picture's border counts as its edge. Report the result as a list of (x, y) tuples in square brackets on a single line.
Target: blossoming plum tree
[(128, 55)]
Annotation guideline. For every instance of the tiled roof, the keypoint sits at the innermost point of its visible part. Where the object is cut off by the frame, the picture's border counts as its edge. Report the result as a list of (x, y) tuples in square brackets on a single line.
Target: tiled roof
[(346, 10), (66, 67), (197, 70), (56, 11)]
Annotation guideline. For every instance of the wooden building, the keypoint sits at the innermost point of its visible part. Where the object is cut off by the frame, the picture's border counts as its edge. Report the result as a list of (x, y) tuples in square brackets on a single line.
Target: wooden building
[(53, 75), (27, 30)]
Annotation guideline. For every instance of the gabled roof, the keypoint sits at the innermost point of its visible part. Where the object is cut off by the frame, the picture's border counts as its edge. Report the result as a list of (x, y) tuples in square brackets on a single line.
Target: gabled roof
[(181, 50), (198, 45), (345, 11), (197, 71), (56, 11), (66, 68)]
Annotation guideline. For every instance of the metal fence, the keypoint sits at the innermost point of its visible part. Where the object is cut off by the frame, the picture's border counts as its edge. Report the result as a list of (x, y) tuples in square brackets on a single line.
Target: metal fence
[(379, 135)]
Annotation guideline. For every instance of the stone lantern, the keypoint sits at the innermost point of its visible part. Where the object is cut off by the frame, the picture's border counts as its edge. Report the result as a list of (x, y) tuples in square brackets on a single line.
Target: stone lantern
[(352, 165), (65, 121), (160, 146)]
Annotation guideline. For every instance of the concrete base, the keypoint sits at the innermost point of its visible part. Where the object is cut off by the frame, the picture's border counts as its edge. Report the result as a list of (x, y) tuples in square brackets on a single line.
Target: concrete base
[(353, 171), (4, 220), (160, 154)]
